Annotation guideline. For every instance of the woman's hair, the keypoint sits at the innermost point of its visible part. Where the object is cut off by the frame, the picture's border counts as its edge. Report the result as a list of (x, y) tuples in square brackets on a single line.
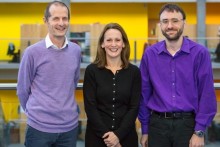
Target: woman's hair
[(100, 59)]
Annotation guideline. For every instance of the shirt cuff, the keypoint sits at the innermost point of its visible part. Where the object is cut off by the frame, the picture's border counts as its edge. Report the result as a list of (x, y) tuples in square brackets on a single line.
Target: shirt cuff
[(144, 129), (200, 127)]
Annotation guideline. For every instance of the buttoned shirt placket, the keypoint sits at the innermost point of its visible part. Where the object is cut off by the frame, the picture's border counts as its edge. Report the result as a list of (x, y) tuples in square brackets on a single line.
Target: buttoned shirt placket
[(114, 99)]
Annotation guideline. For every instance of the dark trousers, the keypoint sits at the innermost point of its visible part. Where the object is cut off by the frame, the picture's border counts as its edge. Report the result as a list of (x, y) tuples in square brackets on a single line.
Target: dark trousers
[(170, 132), (36, 138)]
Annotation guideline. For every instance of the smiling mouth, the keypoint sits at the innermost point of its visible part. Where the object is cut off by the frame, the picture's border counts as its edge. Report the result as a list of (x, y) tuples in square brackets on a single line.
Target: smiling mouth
[(113, 49), (61, 29), (171, 32)]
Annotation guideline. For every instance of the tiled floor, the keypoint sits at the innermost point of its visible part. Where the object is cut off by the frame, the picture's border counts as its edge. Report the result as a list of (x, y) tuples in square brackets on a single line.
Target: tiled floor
[(217, 144), (81, 144)]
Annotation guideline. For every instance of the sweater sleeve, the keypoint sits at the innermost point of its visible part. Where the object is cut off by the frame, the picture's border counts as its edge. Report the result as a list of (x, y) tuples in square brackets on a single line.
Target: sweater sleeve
[(25, 77), (89, 93), (77, 75)]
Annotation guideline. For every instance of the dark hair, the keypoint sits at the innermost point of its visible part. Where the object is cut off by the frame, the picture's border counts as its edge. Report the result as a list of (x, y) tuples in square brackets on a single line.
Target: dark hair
[(47, 11), (172, 8), (100, 59)]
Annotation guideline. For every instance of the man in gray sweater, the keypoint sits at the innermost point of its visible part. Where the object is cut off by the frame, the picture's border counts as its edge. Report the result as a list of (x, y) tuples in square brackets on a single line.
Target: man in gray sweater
[(47, 78)]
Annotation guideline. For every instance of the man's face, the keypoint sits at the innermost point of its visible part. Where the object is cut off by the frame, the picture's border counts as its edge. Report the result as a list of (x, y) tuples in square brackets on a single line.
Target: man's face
[(58, 22), (172, 25)]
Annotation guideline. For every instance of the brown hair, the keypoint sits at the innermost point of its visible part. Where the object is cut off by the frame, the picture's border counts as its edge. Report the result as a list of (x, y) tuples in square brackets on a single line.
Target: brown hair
[(172, 8), (100, 59)]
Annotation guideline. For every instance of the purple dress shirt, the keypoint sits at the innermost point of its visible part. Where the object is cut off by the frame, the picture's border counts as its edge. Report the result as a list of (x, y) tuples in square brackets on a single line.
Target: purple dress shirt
[(179, 83)]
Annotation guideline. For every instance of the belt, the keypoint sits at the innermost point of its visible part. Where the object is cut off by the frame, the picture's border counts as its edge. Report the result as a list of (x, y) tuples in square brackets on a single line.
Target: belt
[(177, 115)]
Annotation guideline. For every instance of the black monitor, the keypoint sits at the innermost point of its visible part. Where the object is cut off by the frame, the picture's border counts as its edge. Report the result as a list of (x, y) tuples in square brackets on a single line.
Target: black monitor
[(11, 49), (11, 52)]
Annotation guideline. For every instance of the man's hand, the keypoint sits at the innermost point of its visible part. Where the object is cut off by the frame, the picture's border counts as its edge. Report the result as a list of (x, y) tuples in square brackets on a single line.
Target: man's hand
[(196, 141), (144, 140)]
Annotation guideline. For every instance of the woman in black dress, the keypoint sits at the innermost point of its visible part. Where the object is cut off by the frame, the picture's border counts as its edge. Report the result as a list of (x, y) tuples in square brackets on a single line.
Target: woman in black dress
[(111, 89)]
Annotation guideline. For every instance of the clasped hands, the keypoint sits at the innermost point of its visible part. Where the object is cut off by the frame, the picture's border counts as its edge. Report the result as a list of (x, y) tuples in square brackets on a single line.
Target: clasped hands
[(111, 140)]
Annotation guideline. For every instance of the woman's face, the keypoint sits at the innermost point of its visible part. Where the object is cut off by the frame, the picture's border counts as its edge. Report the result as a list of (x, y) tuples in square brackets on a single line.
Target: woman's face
[(113, 43)]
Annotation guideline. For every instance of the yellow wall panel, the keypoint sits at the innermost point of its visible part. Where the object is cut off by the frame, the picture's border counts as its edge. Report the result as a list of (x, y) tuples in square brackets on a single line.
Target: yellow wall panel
[(12, 16), (213, 13)]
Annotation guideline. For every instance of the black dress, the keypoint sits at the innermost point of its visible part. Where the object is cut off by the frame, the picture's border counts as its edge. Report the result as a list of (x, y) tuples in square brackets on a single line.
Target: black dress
[(111, 104)]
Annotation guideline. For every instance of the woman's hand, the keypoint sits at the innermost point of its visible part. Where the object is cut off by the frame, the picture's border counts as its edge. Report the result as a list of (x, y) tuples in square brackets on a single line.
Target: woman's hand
[(111, 140)]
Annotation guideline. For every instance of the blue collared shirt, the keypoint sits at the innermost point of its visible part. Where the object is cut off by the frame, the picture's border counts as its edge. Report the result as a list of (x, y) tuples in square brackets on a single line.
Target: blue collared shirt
[(179, 83)]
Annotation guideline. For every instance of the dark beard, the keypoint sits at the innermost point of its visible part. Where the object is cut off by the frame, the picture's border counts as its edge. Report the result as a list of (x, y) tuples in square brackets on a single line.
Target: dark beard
[(176, 37)]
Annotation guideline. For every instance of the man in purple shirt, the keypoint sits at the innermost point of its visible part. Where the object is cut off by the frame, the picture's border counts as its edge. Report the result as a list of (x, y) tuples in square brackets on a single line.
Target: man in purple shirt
[(178, 99), (47, 78)]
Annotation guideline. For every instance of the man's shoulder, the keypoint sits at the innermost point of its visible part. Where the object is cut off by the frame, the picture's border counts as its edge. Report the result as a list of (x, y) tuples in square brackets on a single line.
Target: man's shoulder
[(155, 47), (41, 43), (196, 46), (74, 46), (36, 47)]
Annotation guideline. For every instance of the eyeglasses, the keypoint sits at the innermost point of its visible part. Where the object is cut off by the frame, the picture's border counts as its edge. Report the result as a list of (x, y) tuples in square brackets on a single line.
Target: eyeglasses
[(174, 21)]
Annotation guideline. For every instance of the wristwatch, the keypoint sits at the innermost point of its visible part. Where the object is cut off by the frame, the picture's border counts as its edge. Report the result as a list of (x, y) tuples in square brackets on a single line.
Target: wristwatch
[(199, 133)]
